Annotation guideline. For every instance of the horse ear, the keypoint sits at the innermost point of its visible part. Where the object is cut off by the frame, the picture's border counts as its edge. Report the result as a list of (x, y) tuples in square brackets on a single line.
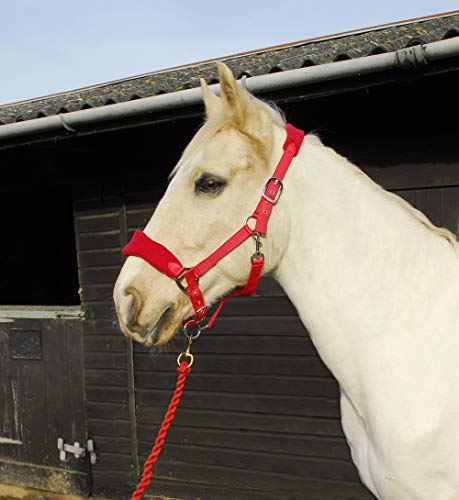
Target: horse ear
[(235, 101), (212, 103)]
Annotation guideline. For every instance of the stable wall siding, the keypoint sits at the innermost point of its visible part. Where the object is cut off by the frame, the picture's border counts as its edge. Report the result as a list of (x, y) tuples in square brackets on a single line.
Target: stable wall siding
[(260, 416), (97, 228)]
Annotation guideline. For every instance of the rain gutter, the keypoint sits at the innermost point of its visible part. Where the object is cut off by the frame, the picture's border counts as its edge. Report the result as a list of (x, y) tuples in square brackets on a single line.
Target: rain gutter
[(97, 119)]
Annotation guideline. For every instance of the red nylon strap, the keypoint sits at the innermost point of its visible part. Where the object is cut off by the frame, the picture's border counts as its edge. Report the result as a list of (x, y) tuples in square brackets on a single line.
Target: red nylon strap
[(154, 253), (273, 188), (248, 289), (223, 250), (196, 297)]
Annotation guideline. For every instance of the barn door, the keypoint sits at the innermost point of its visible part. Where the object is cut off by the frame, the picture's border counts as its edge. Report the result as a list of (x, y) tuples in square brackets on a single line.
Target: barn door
[(42, 399)]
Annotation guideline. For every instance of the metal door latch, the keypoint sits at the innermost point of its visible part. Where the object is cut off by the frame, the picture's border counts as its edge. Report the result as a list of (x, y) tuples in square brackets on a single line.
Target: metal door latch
[(77, 450)]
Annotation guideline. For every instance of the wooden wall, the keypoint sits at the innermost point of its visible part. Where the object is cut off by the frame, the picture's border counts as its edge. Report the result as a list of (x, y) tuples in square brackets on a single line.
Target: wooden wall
[(260, 416)]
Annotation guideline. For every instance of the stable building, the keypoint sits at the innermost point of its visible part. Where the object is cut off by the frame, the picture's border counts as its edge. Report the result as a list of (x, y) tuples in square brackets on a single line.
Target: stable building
[(82, 170)]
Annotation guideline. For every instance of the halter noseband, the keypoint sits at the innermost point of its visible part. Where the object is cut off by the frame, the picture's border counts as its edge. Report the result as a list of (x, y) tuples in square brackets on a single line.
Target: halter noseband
[(167, 263)]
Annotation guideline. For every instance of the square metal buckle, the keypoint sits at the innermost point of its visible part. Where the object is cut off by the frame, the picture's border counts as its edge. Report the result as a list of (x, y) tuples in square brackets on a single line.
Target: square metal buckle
[(274, 200)]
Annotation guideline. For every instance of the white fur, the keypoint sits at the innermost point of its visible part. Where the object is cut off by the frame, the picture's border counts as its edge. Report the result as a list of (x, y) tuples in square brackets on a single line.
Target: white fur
[(378, 291)]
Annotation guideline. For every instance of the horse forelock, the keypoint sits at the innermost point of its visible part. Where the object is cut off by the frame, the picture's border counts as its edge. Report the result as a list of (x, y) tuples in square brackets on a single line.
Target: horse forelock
[(221, 122)]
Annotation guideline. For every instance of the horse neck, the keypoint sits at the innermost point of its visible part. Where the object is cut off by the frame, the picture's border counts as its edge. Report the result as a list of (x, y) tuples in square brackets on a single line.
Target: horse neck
[(353, 259)]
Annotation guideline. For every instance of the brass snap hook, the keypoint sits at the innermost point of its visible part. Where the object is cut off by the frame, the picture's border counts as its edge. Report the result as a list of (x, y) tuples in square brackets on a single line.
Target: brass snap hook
[(187, 353)]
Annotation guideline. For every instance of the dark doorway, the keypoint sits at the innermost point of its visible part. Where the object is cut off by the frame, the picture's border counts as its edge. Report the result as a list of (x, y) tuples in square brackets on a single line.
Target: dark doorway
[(38, 257)]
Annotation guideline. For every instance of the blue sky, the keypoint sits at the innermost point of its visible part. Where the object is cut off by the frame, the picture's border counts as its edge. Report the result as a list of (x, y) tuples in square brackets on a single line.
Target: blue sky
[(50, 46)]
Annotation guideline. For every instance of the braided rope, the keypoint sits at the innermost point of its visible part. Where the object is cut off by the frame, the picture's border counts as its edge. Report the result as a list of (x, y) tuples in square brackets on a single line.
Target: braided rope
[(183, 371)]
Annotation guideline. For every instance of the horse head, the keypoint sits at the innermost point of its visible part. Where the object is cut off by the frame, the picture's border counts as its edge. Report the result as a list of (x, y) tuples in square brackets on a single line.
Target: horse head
[(214, 187)]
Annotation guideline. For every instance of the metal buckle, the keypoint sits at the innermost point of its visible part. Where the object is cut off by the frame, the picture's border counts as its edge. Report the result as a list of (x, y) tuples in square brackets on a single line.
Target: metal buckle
[(178, 280), (274, 200)]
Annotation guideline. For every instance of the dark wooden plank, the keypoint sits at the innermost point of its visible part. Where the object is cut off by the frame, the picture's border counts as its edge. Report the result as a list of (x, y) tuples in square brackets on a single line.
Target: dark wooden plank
[(261, 306), (270, 326), (296, 465), (292, 444), (110, 411), (269, 481), (113, 444), (139, 217), (105, 343), (105, 360), (91, 292), (111, 460), (173, 487), (115, 377), (297, 405), (415, 175), (103, 257), (58, 403), (102, 309), (268, 287), (96, 275), (104, 326), (76, 381), (31, 404), (107, 394), (238, 344), (96, 223), (130, 381), (98, 240), (244, 384), (148, 417), (8, 411), (110, 428), (248, 364)]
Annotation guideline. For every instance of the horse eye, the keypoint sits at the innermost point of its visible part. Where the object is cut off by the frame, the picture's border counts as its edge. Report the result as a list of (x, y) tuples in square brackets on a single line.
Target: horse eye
[(208, 183)]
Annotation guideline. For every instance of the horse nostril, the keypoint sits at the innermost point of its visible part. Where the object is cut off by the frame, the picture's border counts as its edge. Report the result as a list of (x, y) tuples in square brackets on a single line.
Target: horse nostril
[(128, 307)]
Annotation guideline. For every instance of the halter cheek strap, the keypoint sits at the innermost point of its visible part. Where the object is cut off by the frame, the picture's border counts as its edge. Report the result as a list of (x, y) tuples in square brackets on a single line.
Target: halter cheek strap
[(166, 262)]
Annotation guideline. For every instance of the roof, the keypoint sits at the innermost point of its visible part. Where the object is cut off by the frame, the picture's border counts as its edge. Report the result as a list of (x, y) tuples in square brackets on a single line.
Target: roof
[(349, 45)]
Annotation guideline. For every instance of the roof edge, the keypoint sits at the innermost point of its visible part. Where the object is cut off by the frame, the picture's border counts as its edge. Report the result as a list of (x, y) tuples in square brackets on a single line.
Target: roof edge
[(95, 120), (237, 55)]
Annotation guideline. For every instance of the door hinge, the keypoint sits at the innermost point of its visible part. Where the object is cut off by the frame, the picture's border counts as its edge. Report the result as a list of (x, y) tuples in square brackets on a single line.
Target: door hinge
[(77, 450)]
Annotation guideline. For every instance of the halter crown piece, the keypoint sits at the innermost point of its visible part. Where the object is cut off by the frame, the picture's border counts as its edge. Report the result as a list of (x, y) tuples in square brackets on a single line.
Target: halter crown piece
[(166, 262)]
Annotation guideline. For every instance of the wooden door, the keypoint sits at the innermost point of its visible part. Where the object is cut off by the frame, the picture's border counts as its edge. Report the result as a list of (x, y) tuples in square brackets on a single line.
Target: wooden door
[(42, 399)]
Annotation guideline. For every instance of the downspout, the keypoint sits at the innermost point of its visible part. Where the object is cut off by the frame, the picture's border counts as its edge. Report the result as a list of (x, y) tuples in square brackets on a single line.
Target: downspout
[(418, 55)]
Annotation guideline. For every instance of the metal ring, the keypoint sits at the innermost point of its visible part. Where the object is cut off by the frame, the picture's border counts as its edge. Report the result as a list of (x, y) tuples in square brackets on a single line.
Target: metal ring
[(186, 355), (247, 222), (198, 332)]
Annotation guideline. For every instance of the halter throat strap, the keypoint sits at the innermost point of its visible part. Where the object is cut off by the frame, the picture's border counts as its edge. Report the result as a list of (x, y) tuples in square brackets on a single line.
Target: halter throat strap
[(162, 259)]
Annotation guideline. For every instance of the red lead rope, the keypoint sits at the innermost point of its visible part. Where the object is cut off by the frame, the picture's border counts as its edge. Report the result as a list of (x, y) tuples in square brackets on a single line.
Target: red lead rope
[(183, 370)]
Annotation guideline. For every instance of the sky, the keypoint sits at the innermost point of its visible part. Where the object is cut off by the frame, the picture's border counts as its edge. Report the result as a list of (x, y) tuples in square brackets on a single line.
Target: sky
[(52, 46)]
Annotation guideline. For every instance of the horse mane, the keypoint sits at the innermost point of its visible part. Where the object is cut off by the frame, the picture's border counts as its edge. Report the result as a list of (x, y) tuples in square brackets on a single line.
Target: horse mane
[(425, 221), (420, 217)]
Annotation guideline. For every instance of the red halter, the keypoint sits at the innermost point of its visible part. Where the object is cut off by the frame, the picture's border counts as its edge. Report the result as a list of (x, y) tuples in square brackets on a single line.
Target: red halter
[(167, 263)]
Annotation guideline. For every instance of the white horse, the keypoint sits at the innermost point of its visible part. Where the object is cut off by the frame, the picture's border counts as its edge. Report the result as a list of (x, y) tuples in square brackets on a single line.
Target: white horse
[(374, 282)]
